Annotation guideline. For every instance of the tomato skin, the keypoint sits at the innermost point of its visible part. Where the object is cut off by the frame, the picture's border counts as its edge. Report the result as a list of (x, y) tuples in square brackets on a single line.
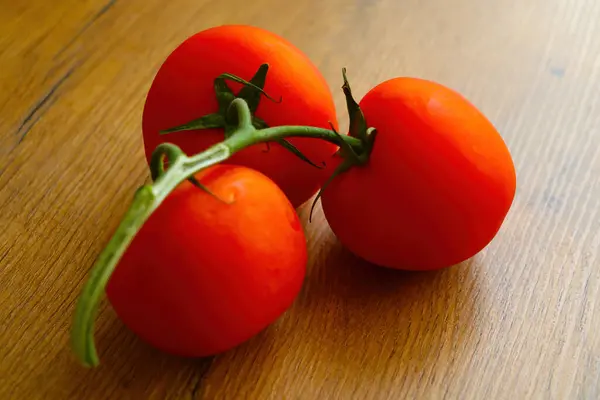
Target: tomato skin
[(183, 90), (203, 276), (437, 187)]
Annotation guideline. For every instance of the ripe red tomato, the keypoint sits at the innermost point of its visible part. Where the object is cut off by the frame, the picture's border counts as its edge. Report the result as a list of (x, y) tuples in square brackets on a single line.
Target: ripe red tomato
[(202, 275), (437, 187), (183, 91)]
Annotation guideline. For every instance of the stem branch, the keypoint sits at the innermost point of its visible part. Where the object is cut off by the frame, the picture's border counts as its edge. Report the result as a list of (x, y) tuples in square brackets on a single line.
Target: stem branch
[(149, 197)]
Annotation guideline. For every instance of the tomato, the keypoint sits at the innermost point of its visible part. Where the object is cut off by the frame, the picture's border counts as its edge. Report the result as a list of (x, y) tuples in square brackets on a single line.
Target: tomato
[(438, 184), (183, 91), (203, 275)]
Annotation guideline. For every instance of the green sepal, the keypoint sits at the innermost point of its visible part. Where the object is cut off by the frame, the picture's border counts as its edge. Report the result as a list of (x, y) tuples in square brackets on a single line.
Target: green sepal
[(289, 146), (251, 85), (358, 124), (209, 121), (196, 183), (224, 94), (252, 94)]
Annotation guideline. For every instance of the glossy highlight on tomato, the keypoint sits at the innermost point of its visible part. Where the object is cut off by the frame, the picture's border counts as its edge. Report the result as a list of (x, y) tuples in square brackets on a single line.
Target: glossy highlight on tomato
[(183, 91), (206, 273), (438, 184)]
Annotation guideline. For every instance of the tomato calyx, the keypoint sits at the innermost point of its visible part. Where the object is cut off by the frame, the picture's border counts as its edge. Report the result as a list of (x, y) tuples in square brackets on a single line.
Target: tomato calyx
[(251, 92), (358, 129)]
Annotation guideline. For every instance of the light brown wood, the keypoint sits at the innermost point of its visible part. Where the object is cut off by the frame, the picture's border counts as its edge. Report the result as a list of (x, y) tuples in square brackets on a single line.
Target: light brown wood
[(518, 321)]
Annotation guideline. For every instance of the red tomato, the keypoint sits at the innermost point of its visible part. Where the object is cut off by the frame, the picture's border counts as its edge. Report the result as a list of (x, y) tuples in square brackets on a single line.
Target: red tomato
[(437, 187), (183, 91), (203, 276)]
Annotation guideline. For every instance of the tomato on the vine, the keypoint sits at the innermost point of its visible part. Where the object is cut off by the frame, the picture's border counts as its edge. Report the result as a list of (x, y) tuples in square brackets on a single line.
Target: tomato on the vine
[(183, 91), (437, 186), (423, 181), (207, 272)]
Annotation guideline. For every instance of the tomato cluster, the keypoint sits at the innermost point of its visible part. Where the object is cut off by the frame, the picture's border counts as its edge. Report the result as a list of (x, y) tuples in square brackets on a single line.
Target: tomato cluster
[(211, 268)]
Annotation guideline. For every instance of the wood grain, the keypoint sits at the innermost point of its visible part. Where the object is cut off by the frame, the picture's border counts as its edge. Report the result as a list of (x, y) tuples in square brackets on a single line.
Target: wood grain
[(517, 321)]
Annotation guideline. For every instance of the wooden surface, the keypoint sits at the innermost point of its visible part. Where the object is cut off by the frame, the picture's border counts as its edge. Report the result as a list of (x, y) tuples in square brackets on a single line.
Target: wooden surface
[(520, 320)]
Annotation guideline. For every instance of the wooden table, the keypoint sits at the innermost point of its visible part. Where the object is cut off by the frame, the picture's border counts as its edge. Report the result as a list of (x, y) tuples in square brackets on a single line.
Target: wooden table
[(518, 321)]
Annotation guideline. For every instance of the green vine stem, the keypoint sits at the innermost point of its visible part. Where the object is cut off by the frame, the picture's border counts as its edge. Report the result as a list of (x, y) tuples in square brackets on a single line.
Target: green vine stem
[(148, 198)]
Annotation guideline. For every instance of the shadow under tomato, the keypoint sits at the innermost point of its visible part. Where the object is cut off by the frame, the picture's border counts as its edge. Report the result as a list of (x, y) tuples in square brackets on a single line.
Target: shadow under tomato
[(359, 324), (344, 275), (373, 314)]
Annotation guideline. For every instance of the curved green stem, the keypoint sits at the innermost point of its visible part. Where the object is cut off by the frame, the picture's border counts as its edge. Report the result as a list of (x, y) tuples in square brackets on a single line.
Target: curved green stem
[(149, 197), (87, 306)]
